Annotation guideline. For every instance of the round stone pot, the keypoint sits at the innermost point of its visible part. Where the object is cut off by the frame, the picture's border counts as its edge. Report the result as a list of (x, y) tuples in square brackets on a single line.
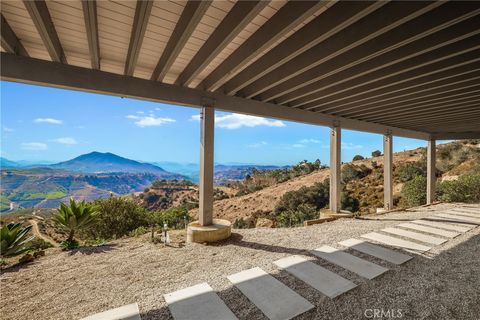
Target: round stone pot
[(219, 230)]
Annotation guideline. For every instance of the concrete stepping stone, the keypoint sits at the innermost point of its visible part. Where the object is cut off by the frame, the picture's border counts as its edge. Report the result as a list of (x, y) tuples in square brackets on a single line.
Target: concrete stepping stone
[(272, 297), (126, 312), (444, 225), (325, 281), (469, 210), (350, 262), (396, 242), (415, 236), (464, 214), (459, 218), (376, 251), (438, 232), (199, 302)]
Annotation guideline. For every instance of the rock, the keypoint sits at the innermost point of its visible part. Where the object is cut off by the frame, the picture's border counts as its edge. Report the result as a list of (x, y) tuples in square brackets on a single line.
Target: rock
[(40, 253), (264, 223)]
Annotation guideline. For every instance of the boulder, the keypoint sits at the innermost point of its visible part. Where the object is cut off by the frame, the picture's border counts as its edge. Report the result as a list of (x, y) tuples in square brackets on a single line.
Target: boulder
[(264, 223)]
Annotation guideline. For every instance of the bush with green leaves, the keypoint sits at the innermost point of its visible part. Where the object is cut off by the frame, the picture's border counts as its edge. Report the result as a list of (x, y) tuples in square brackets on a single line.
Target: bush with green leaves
[(376, 153), (409, 171), (69, 244), (358, 157), (303, 204), (117, 218), (415, 191), (175, 218), (348, 202), (350, 172), (465, 189), (14, 239), (38, 244), (77, 216)]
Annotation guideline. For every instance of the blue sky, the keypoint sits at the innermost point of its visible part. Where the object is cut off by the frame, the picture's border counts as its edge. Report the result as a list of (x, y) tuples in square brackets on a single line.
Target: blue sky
[(47, 124)]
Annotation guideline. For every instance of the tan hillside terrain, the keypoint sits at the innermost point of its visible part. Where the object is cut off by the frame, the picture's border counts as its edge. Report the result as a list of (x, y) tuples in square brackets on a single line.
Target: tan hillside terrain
[(267, 198)]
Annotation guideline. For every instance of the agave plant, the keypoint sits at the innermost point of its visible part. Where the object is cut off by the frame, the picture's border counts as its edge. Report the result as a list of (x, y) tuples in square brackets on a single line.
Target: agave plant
[(75, 216), (14, 237)]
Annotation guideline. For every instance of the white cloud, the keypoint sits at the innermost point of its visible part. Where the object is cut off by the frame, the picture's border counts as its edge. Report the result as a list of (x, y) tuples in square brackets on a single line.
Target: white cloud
[(48, 120), (157, 109), (36, 146), (350, 146), (6, 129), (80, 127), (305, 141), (298, 145), (149, 121), (140, 112), (237, 121), (66, 140), (258, 144)]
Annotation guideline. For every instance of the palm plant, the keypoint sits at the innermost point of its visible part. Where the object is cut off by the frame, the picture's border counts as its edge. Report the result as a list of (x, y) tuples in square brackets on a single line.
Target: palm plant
[(75, 217), (14, 237)]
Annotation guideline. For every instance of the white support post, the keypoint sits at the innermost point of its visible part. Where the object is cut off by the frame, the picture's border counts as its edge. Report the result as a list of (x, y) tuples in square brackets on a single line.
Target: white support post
[(431, 178), (388, 172), (335, 168), (207, 127)]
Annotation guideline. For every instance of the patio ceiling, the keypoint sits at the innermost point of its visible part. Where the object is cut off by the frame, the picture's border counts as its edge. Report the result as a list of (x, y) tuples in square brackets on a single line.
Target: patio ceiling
[(407, 68)]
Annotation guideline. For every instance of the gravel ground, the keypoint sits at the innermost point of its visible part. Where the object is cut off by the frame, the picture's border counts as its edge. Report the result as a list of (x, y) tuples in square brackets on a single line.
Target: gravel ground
[(444, 283)]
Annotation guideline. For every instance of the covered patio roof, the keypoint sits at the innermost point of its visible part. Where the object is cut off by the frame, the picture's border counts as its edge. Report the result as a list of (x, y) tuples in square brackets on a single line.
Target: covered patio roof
[(409, 69)]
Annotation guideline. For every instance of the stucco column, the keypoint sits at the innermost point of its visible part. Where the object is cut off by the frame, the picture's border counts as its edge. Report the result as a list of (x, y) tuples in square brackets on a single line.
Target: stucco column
[(207, 127), (388, 172), (431, 178), (335, 168)]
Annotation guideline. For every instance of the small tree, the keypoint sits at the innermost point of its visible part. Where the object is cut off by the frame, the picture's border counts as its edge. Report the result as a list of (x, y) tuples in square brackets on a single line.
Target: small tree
[(357, 157), (376, 153), (14, 239), (75, 217)]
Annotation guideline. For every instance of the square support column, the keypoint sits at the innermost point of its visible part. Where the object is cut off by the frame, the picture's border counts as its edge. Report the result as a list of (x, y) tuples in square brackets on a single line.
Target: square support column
[(335, 168), (388, 172), (207, 127), (431, 171)]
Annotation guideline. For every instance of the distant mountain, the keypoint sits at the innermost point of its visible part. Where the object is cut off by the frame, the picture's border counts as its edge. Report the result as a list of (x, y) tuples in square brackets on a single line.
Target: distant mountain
[(5, 163), (98, 162)]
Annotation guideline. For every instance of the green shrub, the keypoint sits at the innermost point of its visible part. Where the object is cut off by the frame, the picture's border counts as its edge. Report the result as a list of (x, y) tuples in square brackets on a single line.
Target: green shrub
[(303, 204), (241, 223), (409, 171), (69, 244), (14, 239), (349, 203), (138, 232), (376, 153), (357, 157), (38, 244), (465, 189), (117, 218), (415, 191), (75, 217), (351, 172), (175, 218)]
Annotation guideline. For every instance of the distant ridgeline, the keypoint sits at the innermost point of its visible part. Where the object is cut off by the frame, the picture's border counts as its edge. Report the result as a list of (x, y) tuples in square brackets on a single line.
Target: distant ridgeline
[(90, 176)]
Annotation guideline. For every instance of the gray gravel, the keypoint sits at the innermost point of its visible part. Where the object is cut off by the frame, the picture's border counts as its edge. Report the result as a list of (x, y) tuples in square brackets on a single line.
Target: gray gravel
[(444, 283)]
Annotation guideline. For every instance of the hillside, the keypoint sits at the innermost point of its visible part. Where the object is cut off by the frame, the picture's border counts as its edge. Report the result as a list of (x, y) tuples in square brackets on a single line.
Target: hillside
[(453, 160)]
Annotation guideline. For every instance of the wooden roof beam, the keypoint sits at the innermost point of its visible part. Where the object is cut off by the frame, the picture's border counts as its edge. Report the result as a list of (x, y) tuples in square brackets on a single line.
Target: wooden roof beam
[(42, 20), (290, 16), (339, 16), (91, 27), (242, 13), (188, 21), (10, 42), (140, 21)]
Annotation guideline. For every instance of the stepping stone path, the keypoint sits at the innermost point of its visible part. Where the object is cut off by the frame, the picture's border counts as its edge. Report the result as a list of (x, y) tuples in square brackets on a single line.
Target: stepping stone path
[(278, 302), (347, 261), (415, 236), (442, 225), (376, 251), (199, 302), (272, 297), (127, 312), (325, 281), (438, 232)]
